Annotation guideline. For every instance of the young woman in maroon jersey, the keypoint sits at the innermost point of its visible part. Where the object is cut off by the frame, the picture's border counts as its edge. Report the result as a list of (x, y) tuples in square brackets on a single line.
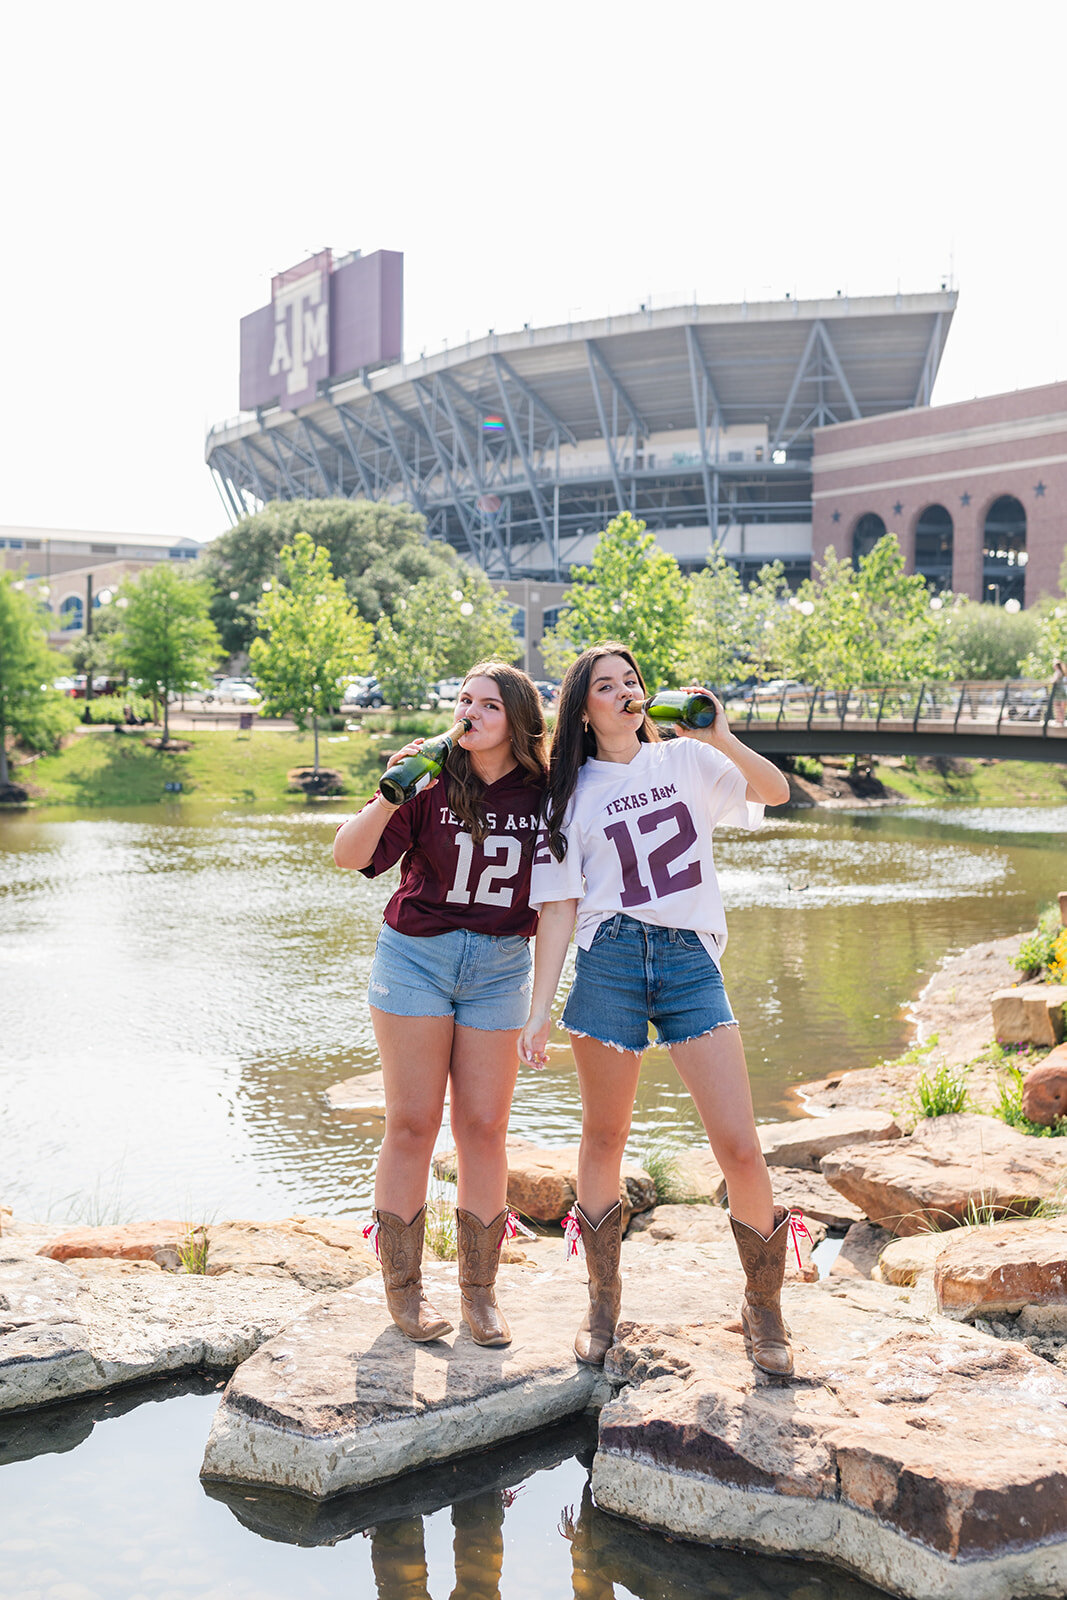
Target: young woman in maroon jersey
[(450, 985)]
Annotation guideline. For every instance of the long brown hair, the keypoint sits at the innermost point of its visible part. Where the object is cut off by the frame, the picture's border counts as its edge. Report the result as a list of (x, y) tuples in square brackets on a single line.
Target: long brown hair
[(526, 724), (573, 742)]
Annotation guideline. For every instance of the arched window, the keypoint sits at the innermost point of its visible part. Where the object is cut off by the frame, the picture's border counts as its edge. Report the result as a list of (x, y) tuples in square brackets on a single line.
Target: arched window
[(933, 547), (70, 613), (865, 535), (1004, 552)]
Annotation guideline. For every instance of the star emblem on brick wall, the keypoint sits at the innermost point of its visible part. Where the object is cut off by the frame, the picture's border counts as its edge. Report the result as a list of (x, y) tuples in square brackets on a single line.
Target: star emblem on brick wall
[(835, 516), (898, 508), (965, 498), (1039, 490)]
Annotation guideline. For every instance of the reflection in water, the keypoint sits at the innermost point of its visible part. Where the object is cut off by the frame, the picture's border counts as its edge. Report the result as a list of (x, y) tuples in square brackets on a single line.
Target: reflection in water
[(398, 1552), (179, 987)]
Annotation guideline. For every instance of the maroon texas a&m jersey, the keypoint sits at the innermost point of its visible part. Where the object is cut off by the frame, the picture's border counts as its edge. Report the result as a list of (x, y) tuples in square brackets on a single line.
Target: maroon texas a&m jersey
[(446, 880)]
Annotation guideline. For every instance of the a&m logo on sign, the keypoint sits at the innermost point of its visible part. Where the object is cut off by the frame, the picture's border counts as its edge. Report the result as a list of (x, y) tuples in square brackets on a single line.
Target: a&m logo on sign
[(301, 349)]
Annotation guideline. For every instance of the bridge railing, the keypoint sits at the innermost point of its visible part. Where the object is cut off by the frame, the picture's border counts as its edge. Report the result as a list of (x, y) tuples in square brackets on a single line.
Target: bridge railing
[(964, 704)]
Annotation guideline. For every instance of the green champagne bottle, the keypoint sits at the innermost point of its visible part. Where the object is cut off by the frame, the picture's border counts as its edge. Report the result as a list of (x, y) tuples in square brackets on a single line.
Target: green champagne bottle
[(675, 705), (408, 777)]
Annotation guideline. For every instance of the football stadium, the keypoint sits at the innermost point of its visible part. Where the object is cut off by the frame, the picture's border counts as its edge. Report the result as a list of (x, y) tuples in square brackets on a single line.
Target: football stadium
[(519, 447)]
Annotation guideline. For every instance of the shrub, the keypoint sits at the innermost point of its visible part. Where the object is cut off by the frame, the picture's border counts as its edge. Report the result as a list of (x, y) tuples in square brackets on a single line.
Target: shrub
[(112, 707), (940, 1093), (809, 767), (1044, 950)]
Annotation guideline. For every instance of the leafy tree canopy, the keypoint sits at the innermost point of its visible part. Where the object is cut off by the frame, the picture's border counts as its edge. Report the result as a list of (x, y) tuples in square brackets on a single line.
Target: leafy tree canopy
[(439, 628), (311, 637), (634, 592), (29, 707), (847, 627), (168, 639), (376, 550), (1050, 639), (986, 641), (733, 633)]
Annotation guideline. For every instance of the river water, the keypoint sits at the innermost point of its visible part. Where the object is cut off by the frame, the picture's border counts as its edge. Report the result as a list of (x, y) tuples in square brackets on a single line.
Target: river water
[(177, 988)]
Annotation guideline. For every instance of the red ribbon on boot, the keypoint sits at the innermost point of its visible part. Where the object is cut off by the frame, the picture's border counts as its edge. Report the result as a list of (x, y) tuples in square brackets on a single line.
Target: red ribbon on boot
[(798, 1230)]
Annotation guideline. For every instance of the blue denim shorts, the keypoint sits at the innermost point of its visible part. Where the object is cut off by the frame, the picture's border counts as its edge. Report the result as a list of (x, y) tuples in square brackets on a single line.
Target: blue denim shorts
[(482, 981), (634, 974)]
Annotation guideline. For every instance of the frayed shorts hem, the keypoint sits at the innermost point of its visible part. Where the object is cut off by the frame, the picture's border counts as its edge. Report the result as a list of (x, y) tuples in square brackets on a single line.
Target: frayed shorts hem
[(637, 1050)]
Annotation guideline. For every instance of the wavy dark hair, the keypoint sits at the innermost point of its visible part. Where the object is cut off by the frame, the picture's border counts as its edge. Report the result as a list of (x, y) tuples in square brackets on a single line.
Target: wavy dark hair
[(573, 743), (526, 724)]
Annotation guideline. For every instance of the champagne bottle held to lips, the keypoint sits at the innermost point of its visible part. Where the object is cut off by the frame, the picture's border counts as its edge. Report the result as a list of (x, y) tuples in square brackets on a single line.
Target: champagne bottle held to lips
[(410, 776), (675, 705)]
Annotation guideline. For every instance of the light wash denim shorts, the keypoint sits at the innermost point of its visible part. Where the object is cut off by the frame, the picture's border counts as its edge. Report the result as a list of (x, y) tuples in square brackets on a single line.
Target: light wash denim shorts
[(482, 981), (633, 974)]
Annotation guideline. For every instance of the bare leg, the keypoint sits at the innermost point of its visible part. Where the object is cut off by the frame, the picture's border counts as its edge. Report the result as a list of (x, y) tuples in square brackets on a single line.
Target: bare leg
[(484, 1067), (415, 1054), (608, 1082), (713, 1070)]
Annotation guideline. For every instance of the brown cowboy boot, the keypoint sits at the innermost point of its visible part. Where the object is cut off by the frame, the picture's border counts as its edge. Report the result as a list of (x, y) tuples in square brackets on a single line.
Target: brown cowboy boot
[(766, 1336), (400, 1247), (478, 1248), (603, 1247)]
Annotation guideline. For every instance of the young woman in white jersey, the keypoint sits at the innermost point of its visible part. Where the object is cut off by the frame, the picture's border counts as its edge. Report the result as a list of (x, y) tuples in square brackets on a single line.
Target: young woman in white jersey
[(627, 850), (449, 984)]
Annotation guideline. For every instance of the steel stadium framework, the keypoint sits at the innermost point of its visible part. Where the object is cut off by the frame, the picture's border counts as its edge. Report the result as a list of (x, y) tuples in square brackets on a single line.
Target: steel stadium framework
[(518, 448)]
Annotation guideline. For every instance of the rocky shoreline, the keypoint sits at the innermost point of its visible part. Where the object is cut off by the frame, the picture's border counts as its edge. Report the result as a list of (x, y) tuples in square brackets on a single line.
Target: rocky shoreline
[(922, 1444)]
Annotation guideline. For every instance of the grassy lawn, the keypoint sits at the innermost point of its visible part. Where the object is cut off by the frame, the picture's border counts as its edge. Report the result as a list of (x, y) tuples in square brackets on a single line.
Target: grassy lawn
[(1000, 783), (104, 769)]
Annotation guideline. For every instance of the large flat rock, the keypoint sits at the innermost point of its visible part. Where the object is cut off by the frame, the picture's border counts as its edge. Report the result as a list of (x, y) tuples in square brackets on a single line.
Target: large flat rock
[(63, 1335), (949, 1164), (1003, 1268), (803, 1143), (919, 1454), (1031, 1013), (341, 1400)]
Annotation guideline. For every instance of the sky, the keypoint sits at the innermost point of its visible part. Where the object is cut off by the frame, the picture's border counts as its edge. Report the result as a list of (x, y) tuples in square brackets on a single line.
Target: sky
[(533, 162)]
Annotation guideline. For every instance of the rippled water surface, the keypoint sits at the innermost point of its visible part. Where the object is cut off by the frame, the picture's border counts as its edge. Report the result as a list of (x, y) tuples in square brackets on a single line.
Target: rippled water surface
[(178, 988)]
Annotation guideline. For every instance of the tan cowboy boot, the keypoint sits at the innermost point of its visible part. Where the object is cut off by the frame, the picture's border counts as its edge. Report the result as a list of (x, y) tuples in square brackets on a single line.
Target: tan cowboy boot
[(478, 1248), (400, 1247), (603, 1247), (766, 1336)]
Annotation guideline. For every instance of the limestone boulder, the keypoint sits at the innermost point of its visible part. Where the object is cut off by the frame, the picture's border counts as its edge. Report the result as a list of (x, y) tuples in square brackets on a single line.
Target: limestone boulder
[(803, 1143), (860, 1251), (1045, 1089), (64, 1335), (928, 1180), (700, 1176), (155, 1241), (910, 1261), (317, 1252), (341, 1400), (543, 1183), (1033, 1013), (989, 1271), (919, 1454), (801, 1190)]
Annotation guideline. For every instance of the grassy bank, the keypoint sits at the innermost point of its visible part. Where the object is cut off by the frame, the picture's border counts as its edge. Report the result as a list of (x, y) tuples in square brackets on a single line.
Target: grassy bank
[(102, 769), (979, 783)]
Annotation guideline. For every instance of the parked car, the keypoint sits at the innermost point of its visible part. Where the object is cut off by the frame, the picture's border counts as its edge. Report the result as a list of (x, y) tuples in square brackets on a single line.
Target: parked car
[(363, 693), (445, 692), (548, 691), (234, 691), (101, 685)]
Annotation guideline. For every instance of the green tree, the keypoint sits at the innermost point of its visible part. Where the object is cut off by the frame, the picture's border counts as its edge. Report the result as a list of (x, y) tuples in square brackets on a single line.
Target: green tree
[(377, 550), (439, 628), (30, 709), (634, 592), (986, 641), (168, 640), (848, 627), (734, 632), (310, 637), (1050, 639)]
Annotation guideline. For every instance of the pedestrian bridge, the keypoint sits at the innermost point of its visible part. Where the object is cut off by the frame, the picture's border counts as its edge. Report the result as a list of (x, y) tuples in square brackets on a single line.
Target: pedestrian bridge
[(1012, 720)]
